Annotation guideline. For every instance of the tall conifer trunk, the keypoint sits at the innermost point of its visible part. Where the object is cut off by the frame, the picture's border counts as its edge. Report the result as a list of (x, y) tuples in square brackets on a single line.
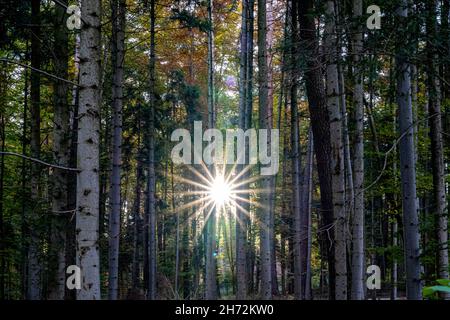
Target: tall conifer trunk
[(408, 169), (117, 58)]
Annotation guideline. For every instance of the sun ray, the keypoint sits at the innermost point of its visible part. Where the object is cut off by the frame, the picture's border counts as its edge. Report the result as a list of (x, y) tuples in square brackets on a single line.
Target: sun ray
[(199, 210), (227, 178), (250, 180), (181, 179), (205, 220), (190, 204), (198, 174), (245, 211), (256, 204), (240, 174), (208, 172), (193, 193), (221, 189), (249, 191)]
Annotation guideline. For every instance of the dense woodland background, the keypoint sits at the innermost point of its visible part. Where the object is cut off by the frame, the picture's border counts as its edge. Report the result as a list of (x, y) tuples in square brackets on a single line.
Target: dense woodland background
[(86, 176)]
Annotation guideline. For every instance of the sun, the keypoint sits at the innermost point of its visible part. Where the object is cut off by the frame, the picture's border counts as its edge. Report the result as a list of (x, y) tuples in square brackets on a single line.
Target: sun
[(215, 191), (220, 191)]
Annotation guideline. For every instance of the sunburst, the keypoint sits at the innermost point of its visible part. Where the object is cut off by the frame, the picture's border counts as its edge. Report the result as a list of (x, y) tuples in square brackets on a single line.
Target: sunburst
[(214, 190)]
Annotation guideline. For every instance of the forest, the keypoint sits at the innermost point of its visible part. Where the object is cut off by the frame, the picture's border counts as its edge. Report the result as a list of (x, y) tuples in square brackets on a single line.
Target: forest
[(224, 149)]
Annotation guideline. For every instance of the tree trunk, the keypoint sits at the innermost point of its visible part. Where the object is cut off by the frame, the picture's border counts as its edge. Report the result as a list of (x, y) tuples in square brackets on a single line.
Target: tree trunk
[(3, 272), (282, 126), (24, 191), (136, 266), (358, 271), (407, 170), (248, 123), (306, 227), (270, 30), (264, 123), (241, 216), (437, 151), (210, 277), (445, 52), (87, 217), (177, 244), (195, 259), (320, 125), (118, 9), (394, 272), (34, 263), (295, 156), (61, 155), (72, 181), (185, 258), (337, 153), (151, 179)]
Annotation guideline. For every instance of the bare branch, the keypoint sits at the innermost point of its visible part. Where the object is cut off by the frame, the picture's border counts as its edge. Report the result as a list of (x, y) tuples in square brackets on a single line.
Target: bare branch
[(39, 70), (38, 161)]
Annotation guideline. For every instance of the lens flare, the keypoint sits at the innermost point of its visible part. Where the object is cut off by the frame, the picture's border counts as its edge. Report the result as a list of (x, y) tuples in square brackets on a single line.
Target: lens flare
[(220, 191), (214, 191)]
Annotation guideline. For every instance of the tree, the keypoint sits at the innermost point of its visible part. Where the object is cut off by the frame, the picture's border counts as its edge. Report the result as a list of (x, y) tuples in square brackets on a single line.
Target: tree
[(118, 38), (248, 122), (296, 157), (2, 180), (210, 276), (270, 22), (137, 231), (337, 152), (241, 217), (61, 155), (151, 183), (264, 123), (80, 160), (306, 223), (87, 206), (34, 263), (437, 150), (320, 125), (357, 270), (408, 169)]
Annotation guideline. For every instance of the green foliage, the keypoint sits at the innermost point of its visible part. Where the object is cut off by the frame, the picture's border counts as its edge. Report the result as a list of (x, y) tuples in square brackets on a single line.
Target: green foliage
[(432, 292), (189, 20)]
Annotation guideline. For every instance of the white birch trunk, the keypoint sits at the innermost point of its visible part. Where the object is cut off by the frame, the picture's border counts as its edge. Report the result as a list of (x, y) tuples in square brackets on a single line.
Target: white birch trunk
[(87, 215)]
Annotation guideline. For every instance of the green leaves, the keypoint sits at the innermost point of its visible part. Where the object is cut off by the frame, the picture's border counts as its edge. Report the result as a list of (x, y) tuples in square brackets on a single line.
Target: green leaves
[(431, 291), (444, 282)]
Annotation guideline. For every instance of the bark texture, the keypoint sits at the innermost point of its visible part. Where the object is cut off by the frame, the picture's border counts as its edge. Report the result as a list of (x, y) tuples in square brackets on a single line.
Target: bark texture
[(87, 206)]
